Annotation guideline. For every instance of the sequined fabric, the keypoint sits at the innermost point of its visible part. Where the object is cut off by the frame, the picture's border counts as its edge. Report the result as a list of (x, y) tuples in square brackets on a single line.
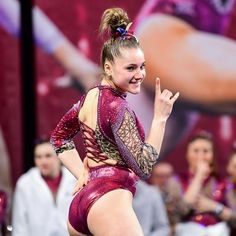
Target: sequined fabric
[(118, 134), (67, 128), (114, 177), (144, 154), (108, 148), (3, 207)]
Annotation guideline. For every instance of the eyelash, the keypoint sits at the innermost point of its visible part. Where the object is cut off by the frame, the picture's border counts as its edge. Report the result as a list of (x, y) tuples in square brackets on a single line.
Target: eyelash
[(131, 68)]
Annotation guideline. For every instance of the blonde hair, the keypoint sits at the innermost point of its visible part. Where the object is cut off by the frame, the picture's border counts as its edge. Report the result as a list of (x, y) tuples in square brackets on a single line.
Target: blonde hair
[(113, 21)]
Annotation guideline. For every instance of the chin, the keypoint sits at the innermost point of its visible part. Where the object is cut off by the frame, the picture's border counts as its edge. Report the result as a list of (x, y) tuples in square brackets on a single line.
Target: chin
[(135, 90), (46, 173)]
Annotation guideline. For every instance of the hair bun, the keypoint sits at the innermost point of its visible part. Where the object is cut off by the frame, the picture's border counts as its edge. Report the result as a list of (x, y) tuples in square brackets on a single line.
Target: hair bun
[(112, 19)]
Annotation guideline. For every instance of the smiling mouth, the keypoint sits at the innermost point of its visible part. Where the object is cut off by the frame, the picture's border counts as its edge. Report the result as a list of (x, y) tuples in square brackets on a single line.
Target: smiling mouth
[(135, 81)]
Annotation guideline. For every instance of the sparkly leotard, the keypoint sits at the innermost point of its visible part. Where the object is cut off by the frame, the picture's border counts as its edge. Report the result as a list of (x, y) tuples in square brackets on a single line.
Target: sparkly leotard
[(118, 136)]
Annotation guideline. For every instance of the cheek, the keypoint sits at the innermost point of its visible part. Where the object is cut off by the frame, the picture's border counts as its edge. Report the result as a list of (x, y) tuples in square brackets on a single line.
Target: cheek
[(232, 170), (192, 156), (208, 157), (144, 74), (37, 162)]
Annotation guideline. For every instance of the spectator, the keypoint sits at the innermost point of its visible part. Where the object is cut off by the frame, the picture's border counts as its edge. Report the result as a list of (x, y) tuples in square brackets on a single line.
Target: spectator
[(150, 210), (42, 196), (231, 193), (201, 196), (161, 174)]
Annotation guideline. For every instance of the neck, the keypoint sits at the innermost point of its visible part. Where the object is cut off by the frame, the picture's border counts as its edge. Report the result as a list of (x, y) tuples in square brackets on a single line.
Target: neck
[(53, 175), (106, 81)]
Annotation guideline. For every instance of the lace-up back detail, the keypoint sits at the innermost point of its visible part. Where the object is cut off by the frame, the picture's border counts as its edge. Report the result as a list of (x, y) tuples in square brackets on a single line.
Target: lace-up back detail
[(93, 150), (98, 148), (117, 134)]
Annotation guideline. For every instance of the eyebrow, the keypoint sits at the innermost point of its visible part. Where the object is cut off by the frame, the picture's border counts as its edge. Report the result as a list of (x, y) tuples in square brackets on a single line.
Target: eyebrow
[(133, 64)]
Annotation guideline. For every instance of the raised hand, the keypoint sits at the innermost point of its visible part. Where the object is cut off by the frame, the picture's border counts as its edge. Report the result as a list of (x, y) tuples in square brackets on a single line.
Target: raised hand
[(163, 103), (203, 169)]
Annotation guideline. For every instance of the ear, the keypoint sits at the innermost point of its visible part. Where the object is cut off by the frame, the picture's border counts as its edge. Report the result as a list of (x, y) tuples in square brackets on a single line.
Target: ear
[(108, 68)]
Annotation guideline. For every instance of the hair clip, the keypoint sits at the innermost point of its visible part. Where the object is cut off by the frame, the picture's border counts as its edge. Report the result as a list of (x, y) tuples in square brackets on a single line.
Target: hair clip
[(124, 33)]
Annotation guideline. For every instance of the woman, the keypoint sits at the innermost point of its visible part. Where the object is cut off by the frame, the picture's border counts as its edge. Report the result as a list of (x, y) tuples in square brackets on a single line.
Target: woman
[(202, 203), (116, 151), (231, 181)]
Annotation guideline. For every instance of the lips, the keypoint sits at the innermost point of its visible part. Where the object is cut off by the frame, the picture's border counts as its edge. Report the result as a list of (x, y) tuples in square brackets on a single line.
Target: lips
[(135, 81)]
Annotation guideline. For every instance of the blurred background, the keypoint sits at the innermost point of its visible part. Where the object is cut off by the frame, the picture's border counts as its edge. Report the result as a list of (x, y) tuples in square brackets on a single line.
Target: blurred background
[(50, 52)]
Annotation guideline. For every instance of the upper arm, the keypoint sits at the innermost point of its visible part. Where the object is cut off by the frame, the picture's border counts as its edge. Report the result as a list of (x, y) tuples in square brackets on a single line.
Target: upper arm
[(66, 129), (137, 154)]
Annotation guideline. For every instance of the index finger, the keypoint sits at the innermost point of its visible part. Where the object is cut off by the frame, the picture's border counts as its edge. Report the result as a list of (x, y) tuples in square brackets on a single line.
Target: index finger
[(158, 86)]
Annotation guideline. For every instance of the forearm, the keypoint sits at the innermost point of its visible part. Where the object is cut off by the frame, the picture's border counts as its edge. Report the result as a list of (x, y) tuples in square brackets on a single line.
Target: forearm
[(225, 214), (193, 190), (156, 134), (72, 161)]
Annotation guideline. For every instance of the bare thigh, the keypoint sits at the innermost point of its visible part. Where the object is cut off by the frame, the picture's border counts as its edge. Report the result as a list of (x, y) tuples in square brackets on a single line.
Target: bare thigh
[(113, 215), (72, 231)]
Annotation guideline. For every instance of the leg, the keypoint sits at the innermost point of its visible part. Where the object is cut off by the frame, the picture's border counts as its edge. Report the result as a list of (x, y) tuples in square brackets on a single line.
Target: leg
[(113, 215), (72, 231)]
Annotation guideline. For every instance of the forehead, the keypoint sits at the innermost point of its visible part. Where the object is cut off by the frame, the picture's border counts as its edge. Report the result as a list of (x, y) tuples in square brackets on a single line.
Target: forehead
[(130, 55), (163, 168), (43, 148), (200, 143)]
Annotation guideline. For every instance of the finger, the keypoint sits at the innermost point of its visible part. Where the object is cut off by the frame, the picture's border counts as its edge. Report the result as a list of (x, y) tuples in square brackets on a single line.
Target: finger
[(85, 161), (175, 97), (158, 86), (78, 186), (86, 178), (76, 189), (167, 94)]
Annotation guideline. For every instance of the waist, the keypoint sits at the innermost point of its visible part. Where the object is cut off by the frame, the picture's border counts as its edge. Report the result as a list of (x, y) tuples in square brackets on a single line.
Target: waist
[(117, 171)]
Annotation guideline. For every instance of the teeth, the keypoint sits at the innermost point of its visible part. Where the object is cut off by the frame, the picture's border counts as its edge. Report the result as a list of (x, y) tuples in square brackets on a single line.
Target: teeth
[(135, 81)]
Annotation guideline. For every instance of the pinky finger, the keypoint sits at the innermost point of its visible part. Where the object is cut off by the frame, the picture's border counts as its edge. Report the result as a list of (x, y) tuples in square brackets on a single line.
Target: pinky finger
[(175, 97)]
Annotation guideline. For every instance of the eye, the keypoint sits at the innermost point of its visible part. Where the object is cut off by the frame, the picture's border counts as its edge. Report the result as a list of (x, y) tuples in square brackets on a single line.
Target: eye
[(195, 150), (130, 68), (48, 155), (142, 67)]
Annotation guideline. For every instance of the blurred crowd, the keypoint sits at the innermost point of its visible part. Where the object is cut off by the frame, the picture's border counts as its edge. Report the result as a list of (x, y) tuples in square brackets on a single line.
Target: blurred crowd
[(197, 202), (169, 203)]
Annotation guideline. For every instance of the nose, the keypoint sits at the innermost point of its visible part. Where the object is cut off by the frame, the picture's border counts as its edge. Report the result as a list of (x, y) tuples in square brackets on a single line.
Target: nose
[(139, 74)]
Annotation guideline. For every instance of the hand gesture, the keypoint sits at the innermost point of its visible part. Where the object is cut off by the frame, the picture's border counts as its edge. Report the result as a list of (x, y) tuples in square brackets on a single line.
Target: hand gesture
[(203, 169), (83, 178), (205, 204), (163, 103)]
